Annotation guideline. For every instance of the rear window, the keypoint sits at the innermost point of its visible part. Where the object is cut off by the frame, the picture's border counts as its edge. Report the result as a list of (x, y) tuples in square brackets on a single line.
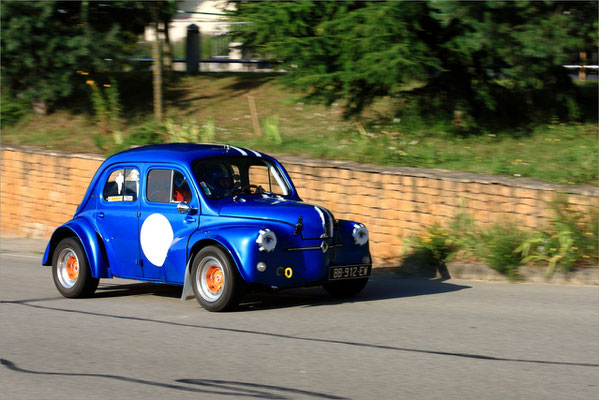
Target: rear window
[(122, 185)]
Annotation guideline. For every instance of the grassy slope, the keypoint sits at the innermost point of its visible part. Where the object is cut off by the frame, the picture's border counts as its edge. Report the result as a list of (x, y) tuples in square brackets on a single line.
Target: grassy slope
[(561, 153)]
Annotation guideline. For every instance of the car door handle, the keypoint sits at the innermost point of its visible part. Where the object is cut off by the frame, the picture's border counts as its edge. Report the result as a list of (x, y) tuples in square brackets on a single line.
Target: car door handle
[(189, 219), (100, 215)]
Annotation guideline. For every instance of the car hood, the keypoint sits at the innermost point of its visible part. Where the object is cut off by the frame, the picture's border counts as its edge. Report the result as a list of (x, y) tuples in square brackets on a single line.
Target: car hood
[(316, 220)]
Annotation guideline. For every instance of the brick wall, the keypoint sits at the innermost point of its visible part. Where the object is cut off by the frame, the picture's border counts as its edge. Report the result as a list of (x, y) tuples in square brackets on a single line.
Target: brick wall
[(41, 190), (396, 201)]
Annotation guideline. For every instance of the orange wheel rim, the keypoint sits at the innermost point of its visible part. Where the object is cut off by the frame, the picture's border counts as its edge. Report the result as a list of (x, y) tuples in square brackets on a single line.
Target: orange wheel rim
[(215, 279), (73, 268)]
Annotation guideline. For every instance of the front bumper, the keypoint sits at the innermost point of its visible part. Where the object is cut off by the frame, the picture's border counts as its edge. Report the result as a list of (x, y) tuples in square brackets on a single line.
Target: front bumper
[(311, 264)]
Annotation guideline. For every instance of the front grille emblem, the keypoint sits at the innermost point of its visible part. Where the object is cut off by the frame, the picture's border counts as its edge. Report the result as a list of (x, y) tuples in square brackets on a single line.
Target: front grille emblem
[(324, 246)]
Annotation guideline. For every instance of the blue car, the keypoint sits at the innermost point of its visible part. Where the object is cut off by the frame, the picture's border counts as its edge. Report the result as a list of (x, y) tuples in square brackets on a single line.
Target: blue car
[(217, 219)]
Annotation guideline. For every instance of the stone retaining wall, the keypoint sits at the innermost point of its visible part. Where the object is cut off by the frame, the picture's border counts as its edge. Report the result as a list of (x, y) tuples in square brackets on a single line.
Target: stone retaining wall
[(41, 190)]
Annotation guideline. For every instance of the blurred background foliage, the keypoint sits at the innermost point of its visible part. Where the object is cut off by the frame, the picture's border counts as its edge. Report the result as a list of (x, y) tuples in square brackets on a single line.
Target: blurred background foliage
[(45, 43), (474, 62), (472, 86)]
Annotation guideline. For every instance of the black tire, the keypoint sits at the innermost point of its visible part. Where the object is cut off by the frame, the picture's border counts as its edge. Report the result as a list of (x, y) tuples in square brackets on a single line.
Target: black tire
[(70, 270), (216, 283), (345, 288)]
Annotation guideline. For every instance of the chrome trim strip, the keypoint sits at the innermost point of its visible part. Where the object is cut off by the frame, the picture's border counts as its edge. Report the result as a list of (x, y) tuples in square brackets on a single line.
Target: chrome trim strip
[(331, 222), (324, 222), (313, 247)]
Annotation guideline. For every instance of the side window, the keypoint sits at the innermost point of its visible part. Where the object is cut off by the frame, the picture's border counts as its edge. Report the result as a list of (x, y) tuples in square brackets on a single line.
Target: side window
[(167, 186), (122, 185), (181, 190)]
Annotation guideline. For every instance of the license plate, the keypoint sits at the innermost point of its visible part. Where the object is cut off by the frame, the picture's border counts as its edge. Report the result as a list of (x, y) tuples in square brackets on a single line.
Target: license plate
[(349, 272)]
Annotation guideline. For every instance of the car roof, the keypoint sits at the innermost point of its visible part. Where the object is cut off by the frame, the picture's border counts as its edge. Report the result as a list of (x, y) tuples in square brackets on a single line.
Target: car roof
[(179, 152)]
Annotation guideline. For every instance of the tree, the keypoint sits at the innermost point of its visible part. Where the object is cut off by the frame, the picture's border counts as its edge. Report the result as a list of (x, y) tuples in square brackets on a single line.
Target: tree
[(350, 51), (44, 44), (470, 60), (502, 61)]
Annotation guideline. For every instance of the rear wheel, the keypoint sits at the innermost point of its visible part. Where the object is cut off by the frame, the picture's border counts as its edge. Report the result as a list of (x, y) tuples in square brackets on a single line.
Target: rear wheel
[(345, 288), (70, 270), (215, 281)]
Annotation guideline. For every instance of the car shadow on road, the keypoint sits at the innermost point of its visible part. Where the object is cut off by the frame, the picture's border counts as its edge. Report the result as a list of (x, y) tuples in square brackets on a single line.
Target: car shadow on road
[(108, 289), (380, 287)]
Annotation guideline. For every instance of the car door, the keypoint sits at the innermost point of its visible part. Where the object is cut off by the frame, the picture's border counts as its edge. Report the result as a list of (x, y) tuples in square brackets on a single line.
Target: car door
[(164, 230), (117, 221)]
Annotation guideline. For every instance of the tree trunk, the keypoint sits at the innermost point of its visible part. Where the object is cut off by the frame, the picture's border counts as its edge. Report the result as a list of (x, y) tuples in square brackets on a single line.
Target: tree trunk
[(157, 75), (168, 48), (582, 73)]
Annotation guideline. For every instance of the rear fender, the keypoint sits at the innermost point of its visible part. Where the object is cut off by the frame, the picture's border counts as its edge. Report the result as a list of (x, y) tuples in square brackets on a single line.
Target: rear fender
[(89, 239)]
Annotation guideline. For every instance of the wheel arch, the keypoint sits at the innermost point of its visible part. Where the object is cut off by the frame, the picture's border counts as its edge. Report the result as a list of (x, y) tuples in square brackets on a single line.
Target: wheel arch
[(90, 240), (202, 243)]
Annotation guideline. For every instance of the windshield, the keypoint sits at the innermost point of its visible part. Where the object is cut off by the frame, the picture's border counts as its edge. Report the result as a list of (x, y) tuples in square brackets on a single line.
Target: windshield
[(220, 177)]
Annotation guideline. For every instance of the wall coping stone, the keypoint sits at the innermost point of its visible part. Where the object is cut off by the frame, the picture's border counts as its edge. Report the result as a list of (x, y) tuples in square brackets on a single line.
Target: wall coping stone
[(443, 174), (37, 150), (439, 174)]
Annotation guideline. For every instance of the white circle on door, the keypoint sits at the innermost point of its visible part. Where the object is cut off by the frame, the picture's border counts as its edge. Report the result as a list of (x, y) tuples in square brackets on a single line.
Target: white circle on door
[(156, 237)]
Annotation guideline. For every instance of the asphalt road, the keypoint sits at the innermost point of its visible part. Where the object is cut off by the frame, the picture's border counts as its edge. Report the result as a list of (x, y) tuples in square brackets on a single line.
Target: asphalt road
[(401, 338)]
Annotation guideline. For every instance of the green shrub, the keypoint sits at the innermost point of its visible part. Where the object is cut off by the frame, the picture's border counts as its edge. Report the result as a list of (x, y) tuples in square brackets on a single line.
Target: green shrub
[(271, 129), (182, 132), (12, 110), (107, 110), (465, 233), (151, 132), (208, 134), (569, 240), (498, 248), (190, 131), (435, 247)]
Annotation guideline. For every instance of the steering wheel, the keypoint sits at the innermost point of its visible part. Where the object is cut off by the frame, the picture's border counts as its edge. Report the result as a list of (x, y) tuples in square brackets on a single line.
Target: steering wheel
[(257, 189)]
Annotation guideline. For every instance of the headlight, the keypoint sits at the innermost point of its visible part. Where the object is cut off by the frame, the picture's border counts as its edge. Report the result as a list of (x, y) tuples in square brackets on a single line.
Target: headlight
[(360, 234), (267, 240)]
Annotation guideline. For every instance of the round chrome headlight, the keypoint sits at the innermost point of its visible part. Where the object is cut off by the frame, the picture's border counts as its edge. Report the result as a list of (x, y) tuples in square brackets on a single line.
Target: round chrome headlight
[(267, 240), (360, 234)]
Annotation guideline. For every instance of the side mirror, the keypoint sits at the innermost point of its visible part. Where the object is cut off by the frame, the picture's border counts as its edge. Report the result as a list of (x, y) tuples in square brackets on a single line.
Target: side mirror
[(183, 207)]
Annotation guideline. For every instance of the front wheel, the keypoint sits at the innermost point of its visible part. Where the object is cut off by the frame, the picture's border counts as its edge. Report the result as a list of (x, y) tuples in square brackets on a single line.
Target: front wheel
[(345, 288), (70, 270), (215, 281)]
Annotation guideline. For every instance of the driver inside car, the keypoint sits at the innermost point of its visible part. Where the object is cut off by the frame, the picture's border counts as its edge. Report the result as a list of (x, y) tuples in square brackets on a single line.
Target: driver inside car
[(218, 180)]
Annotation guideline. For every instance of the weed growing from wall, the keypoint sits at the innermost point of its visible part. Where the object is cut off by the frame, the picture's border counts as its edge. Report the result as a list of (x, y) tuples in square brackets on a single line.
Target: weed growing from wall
[(498, 248), (568, 241), (434, 248)]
